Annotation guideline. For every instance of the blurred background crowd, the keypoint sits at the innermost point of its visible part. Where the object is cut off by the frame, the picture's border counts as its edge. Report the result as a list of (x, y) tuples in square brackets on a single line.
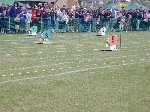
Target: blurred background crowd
[(20, 18)]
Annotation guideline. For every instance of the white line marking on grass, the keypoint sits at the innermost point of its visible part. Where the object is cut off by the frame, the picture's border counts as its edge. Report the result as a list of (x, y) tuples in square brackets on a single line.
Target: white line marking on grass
[(91, 46), (69, 67), (132, 60), (24, 53), (89, 60), (70, 72), (40, 52), (92, 72), (124, 47), (60, 51), (81, 61), (11, 74), (146, 49), (14, 43), (82, 55), (80, 45), (25, 47), (27, 59), (60, 63), (79, 50), (52, 69), (23, 68), (43, 70), (4, 75), (95, 49), (142, 59), (23, 50), (77, 47), (19, 73), (61, 48), (8, 54), (48, 65)]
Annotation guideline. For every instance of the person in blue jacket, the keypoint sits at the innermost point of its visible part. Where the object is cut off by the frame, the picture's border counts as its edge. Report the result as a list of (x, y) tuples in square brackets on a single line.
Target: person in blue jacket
[(14, 10)]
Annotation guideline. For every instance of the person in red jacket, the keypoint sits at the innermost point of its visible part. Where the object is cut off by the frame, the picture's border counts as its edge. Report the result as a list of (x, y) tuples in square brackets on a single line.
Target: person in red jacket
[(34, 17), (39, 11)]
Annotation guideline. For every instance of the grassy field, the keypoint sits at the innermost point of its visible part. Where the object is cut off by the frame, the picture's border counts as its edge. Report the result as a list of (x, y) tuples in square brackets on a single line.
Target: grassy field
[(73, 75)]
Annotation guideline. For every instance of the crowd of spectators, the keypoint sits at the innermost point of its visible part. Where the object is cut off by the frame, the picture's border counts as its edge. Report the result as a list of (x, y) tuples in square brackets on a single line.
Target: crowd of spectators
[(55, 17)]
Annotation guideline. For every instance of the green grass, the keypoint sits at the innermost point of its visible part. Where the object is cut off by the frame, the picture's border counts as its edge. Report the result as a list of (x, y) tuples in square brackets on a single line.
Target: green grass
[(73, 75)]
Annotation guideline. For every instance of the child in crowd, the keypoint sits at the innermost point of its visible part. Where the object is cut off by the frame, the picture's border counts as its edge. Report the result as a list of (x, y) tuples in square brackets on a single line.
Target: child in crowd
[(65, 17), (22, 22), (122, 21), (17, 23)]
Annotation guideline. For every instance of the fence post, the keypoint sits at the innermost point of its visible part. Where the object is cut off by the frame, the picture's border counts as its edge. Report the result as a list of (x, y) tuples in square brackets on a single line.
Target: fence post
[(8, 23), (41, 24)]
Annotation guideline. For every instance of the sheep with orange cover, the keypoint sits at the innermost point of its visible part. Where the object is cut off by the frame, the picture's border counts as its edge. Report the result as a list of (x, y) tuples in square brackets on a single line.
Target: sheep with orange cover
[(112, 42)]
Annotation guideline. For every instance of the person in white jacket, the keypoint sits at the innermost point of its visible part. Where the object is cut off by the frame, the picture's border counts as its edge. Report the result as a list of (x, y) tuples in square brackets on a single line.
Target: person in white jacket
[(28, 20)]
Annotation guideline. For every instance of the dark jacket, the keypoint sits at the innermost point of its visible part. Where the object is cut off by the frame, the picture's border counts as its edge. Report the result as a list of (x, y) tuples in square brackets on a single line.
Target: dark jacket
[(14, 11)]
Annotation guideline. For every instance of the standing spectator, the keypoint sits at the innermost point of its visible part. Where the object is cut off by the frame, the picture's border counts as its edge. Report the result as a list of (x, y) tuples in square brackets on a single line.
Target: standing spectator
[(79, 14), (65, 21), (106, 14), (17, 23), (39, 14), (28, 20), (22, 22), (34, 18), (65, 17), (25, 8), (46, 18), (122, 21), (147, 20), (118, 24), (139, 16), (1, 9), (53, 16), (59, 17), (39, 11), (112, 18), (64, 9), (126, 23), (14, 10), (3, 21)]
